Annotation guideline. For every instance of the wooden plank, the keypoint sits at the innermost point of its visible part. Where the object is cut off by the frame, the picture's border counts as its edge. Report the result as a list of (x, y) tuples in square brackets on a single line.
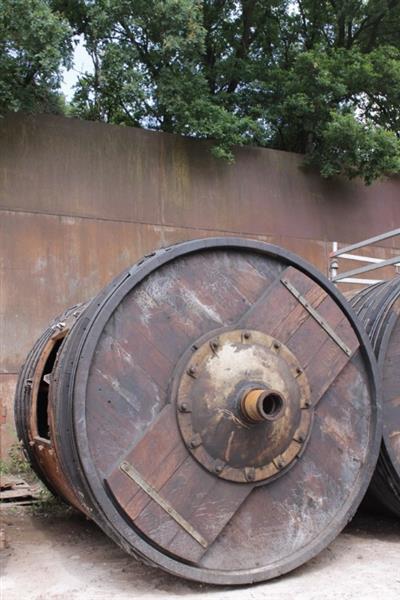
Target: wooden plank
[(276, 304), (281, 315), (298, 315), (156, 456), (203, 499), (210, 512), (16, 493), (323, 323), (307, 339), (137, 478), (326, 363), (157, 478), (224, 281)]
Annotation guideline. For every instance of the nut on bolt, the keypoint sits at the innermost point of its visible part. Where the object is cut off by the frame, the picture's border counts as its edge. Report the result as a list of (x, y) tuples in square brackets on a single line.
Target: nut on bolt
[(250, 474), (192, 371), (195, 441)]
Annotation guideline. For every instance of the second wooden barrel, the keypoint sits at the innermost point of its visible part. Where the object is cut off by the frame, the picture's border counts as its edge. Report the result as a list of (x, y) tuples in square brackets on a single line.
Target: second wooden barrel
[(379, 309)]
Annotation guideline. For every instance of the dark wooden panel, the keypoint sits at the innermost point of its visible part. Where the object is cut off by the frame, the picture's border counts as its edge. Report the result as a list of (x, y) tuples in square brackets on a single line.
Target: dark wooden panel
[(156, 456), (202, 499)]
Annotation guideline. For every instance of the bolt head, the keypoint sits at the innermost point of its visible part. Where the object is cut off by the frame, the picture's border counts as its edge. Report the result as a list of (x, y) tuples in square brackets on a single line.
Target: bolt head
[(247, 335), (214, 344), (195, 441), (250, 474)]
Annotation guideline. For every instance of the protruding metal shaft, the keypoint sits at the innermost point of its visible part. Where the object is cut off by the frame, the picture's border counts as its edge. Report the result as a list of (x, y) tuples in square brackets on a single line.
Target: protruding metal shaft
[(259, 405)]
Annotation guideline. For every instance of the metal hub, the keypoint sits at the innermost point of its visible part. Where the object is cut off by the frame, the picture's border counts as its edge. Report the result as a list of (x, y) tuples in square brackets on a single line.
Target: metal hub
[(243, 405)]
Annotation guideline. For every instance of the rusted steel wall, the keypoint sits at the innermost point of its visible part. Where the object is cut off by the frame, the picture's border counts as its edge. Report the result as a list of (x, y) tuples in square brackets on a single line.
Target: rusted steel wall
[(80, 201)]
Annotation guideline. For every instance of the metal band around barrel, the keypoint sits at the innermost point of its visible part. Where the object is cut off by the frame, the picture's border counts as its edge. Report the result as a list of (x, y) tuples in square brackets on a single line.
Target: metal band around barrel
[(129, 470), (315, 314)]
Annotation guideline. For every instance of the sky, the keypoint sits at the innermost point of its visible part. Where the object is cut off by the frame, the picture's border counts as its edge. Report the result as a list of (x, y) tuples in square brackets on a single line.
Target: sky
[(82, 63)]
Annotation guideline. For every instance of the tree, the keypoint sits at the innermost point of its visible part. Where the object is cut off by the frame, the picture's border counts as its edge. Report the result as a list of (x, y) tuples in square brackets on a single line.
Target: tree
[(34, 43), (319, 77)]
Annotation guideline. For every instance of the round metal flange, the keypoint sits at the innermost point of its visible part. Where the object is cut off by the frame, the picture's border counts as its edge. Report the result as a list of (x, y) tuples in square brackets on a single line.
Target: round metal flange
[(210, 389)]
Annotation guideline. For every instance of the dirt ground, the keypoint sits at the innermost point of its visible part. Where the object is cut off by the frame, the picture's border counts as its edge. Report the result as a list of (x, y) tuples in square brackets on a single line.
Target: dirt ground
[(62, 556)]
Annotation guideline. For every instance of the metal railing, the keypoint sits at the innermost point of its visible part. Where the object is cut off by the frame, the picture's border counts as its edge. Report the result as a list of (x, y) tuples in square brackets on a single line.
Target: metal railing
[(374, 263)]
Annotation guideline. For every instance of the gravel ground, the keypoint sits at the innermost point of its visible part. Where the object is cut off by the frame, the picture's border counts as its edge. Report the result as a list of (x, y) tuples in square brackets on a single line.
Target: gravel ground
[(62, 556)]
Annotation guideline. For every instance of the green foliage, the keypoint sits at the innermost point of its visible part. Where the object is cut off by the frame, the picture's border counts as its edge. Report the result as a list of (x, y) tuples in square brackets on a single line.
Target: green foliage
[(17, 463), (320, 77), (355, 149), (4, 467), (34, 43), (44, 503)]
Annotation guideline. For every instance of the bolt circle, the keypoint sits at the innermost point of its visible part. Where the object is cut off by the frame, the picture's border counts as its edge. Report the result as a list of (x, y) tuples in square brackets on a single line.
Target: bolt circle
[(191, 387)]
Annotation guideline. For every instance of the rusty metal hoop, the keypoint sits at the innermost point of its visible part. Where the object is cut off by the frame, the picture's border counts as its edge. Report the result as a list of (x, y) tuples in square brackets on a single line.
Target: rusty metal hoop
[(33, 410), (378, 307)]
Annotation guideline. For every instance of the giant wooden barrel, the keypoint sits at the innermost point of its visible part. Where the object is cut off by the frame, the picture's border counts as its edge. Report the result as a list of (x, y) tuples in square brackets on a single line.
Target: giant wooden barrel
[(214, 410), (378, 307)]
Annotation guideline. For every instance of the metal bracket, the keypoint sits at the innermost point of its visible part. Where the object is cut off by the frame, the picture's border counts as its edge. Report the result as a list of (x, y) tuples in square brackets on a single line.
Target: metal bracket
[(129, 470), (315, 314)]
